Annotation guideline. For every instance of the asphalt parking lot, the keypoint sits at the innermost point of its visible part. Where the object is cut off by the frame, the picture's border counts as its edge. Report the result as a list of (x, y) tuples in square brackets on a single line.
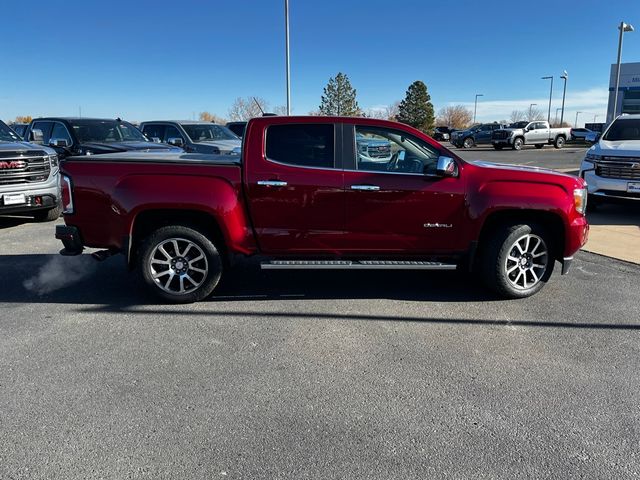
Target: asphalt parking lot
[(313, 374)]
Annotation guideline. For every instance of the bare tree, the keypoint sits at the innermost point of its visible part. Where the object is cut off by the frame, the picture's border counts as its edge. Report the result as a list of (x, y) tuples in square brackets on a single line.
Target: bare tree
[(517, 116), (388, 112), (454, 116), (534, 114), (212, 117), (247, 108)]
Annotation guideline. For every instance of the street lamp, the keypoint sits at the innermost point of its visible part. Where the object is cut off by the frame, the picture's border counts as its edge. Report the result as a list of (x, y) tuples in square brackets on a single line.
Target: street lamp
[(530, 107), (623, 27), (475, 108), (575, 125), (550, 95), (286, 36), (565, 77)]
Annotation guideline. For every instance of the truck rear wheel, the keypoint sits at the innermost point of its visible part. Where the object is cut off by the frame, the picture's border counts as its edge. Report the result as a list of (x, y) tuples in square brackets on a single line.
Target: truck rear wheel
[(180, 264), (517, 260), (559, 143), (517, 144)]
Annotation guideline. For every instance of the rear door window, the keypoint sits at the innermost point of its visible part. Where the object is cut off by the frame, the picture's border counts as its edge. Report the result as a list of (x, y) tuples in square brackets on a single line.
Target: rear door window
[(303, 145)]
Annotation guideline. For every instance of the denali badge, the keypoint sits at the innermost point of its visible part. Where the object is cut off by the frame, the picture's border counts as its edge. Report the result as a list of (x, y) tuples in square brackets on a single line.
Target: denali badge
[(438, 225), (13, 164)]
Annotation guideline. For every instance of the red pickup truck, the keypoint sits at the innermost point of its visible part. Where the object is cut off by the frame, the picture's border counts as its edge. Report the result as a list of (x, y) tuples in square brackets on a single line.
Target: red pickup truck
[(302, 195)]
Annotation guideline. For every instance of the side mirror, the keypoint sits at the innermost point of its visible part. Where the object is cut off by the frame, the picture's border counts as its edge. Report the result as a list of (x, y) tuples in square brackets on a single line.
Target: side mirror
[(59, 142), (447, 167), (37, 136), (592, 137), (176, 141)]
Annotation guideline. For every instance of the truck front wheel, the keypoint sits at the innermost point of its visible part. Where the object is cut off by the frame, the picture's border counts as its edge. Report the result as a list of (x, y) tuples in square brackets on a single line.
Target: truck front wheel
[(517, 144), (180, 264), (559, 143), (517, 260)]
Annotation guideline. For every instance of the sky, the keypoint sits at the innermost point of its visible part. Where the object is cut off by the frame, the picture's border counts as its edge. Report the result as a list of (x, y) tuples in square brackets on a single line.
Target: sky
[(143, 60)]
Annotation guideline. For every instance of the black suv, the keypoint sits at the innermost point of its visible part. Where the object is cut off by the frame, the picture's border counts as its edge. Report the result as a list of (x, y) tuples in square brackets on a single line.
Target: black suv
[(442, 133), (90, 136)]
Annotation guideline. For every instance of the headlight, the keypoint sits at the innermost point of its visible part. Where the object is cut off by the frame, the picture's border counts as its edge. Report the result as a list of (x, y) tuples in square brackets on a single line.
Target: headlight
[(53, 160), (592, 157), (580, 199)]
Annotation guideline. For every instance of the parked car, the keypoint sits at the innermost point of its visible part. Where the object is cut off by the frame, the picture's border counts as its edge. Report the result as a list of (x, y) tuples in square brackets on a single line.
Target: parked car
[(299, 197), (194, 136), (442, 133), (579, 134), (237, 128), (476, 135), (20, 128), (611, 166), (537, 133), (90, 136), (28, 177)]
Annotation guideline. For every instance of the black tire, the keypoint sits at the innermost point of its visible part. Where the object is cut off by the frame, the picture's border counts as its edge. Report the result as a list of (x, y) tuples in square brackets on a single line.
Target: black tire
[(204, 283), (539, 146), (517, 144), (498, 147), (501, 246), (468, 142), (560, 141), (47, 215)]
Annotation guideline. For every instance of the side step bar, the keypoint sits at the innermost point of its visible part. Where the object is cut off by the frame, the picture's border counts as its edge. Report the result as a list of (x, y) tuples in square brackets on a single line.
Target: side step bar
[(355, 265)]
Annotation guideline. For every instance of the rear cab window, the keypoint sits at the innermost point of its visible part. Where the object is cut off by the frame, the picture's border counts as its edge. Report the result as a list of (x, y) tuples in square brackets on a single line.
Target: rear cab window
[(303, 145)]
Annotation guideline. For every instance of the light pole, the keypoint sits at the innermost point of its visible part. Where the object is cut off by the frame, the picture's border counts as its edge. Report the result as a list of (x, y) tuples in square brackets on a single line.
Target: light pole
[(575, 125), (565, 77), (286, 35), (530, 107), (475, 108), (594, 118), (623, 27), (557, 114), (550, 95)]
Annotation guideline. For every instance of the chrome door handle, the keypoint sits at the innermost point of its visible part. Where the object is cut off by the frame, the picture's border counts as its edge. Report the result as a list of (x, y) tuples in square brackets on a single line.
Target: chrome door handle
[(272, 183), (368, 188)]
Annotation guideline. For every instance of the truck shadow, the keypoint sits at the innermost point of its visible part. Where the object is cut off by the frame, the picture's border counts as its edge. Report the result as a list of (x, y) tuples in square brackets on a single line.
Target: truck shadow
[(616, 214), (41, 278), (11, 221)]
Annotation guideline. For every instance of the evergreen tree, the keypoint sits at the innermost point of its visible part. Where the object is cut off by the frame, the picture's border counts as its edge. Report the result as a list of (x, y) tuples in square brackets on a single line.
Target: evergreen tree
[(416, 109), (339, 98)]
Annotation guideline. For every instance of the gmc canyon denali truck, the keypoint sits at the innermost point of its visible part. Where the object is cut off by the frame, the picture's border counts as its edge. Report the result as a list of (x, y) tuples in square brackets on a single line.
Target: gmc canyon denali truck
[(300, 197), (28, 178), (536, 133)]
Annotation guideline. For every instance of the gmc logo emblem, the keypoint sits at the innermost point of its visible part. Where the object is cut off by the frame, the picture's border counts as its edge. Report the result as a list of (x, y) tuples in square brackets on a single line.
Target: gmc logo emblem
[(13, 164)]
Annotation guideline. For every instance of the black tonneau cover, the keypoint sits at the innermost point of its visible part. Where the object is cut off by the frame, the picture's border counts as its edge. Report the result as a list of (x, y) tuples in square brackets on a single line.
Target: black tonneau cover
[(158, 157)]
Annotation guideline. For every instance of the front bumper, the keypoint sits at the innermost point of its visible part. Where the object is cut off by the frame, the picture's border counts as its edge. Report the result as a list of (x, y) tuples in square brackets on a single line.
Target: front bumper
[(39, 196), (71, 239), (606, 188)]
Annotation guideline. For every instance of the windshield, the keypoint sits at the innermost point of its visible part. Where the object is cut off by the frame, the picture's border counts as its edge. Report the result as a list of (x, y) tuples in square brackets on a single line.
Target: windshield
[(519, 125), (106, 131), (7, 135), (623, 130), (209, 132)]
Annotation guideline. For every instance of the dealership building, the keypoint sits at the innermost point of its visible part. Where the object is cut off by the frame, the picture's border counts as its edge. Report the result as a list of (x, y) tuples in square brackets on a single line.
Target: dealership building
[(628, 91)]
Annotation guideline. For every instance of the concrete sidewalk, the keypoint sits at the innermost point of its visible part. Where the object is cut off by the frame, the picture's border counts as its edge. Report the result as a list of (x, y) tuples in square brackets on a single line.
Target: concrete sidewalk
[(615, 232)]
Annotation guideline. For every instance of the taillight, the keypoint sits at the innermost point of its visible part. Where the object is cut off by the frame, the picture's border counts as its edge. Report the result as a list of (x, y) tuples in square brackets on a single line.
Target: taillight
[(67, 194)]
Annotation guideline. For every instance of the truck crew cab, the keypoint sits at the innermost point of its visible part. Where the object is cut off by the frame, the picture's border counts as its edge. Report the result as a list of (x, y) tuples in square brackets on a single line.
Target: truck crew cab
[(302, 196)]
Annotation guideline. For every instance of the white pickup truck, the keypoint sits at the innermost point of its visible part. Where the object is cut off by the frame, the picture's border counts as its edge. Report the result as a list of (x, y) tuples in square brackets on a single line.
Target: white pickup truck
[(537, 133)]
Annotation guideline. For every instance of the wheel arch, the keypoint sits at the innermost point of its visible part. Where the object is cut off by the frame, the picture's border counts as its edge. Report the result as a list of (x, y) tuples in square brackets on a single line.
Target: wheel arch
[(550, 220)]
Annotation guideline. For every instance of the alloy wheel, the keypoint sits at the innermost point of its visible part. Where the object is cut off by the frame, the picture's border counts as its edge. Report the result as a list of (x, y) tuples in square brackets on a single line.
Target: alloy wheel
[(526, 262), (178, 266)]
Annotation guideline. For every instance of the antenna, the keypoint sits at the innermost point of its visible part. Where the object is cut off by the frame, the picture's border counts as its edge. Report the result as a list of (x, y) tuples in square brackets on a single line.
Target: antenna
[(261, 110)]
